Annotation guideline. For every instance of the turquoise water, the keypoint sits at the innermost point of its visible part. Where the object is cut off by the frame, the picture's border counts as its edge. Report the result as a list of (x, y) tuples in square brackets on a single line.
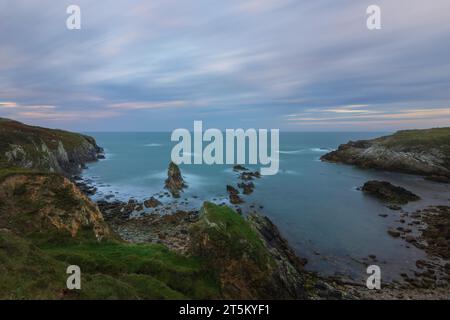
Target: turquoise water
[(316, 205)]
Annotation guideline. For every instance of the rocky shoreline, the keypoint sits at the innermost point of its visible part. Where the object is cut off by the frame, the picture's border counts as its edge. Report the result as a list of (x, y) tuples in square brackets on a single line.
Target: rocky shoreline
[(172, 230), (419, 152)]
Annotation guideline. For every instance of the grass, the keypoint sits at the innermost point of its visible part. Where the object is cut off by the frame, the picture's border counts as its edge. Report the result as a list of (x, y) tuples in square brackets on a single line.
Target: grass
[(31, 140), (110, 270), (231, 233), (152, 270), (423, 139)]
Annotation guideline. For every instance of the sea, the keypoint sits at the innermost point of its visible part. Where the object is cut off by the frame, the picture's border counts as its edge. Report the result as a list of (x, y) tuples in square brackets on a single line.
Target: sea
[(316, 205)]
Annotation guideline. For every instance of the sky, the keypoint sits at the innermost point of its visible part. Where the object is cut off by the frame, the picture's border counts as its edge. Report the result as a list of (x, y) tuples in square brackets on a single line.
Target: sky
[(294, 65)]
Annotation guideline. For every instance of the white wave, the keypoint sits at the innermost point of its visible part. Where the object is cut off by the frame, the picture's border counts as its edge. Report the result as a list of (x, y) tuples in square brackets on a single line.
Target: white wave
[(304, 151), (319, 150), (290, 172), (153, 145), (290, 152)]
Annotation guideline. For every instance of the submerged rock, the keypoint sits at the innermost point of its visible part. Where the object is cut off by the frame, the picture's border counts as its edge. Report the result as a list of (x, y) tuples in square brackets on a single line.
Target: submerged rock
[(387, 192), (239, 167), (248, 175), (174, 182)]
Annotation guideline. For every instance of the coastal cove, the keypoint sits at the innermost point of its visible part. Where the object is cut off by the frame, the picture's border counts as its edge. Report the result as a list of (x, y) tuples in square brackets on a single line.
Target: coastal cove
[(316, 205)]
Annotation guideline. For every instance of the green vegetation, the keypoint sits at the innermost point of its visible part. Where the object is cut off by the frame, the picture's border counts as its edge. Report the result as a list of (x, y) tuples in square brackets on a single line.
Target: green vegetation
[(110, 270), (438, 138), (231, 231), (26, 272), (43, 149), (14, 132), (145, 268), (47, 224)]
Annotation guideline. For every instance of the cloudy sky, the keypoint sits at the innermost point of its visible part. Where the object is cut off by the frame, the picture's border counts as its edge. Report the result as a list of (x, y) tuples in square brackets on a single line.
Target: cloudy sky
[(156, 65)]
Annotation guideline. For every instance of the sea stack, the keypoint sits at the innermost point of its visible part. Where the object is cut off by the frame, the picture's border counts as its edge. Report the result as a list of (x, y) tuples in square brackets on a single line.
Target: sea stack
[(174, 182)]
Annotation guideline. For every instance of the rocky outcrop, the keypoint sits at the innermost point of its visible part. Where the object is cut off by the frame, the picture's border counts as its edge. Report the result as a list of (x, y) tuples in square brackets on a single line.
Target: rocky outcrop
[(249, 175), (233, 193), (437, 232), (239, 167), (42, 203), (387, 192), (289, 272), (248, 265), (247, 187), (174, 182), (152, 203), (44, 149), (422, 152)]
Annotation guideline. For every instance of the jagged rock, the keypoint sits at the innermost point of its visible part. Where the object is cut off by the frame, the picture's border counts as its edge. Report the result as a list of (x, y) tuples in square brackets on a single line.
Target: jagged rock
[(247, 266), (174, 182), (385, 191), (247, 187), (248, 175), (152, 203), (234, 195)]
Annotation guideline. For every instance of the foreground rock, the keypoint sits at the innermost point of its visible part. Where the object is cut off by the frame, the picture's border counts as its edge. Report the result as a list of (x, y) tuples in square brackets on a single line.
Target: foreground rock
[(422, 152), (387, 192), (44, 149), (436, 233), (152, 203), (246, 265), (174, 182), (38, 203)]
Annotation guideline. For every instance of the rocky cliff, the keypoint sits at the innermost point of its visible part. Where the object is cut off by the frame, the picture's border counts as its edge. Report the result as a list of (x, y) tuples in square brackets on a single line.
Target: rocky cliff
[(249, 257), (422, 152), (40, 203), (44, 149)]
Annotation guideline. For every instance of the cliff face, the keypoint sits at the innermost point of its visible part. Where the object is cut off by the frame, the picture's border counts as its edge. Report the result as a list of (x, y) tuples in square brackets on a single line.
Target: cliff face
[(249, 257), (422, 152), (41, 203), (44, 149)]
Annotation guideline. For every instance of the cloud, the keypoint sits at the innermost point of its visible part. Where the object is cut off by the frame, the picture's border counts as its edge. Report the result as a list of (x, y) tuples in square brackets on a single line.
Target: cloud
[(149, 105), (8, 105), (167, 62), (66, 115)]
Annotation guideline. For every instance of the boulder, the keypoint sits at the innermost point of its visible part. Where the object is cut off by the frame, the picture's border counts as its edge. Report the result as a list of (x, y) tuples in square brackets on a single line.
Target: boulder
[(387, 192), (152, 203)]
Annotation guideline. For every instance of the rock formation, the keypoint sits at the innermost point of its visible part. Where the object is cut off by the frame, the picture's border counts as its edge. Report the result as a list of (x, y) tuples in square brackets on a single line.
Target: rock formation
[(422, 152), (174, 182), (387, 192)]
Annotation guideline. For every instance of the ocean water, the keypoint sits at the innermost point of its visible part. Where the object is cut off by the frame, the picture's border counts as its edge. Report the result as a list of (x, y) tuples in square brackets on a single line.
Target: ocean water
[(316, 205)]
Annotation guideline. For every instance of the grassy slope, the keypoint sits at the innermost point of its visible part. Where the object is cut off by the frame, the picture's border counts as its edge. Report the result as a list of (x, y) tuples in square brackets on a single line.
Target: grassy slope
[(234, 252), (13, 132), (225, 227), (111, 269), (438, 138)]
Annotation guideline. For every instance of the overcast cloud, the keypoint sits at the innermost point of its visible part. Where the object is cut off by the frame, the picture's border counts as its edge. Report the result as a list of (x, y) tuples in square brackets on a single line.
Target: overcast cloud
[(289, 64)]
